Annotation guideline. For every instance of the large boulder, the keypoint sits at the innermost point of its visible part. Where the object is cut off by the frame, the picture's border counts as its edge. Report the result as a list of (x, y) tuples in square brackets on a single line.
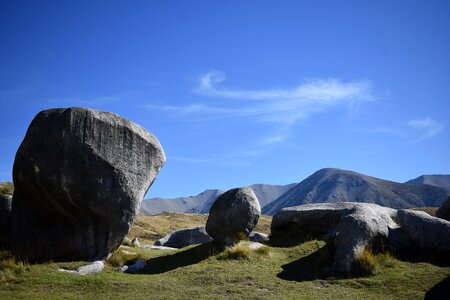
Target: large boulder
[(185, 237), (233, 216), (5, 213), (80, 176), (426, 232), (350, 227), (444, 211)]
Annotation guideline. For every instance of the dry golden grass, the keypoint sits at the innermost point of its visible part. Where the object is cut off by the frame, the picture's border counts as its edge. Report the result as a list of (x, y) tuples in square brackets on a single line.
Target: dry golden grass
[(429, 210), (243, 251), (6, 188), (149, 229), (368, 263)]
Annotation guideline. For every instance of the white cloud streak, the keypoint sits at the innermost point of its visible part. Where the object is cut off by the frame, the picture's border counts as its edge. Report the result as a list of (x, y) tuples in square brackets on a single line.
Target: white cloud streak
[(426, 128), (285, 106)]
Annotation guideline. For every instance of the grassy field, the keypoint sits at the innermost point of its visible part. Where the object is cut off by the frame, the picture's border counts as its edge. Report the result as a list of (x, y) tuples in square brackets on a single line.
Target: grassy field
[(197, 272), (6, 188)]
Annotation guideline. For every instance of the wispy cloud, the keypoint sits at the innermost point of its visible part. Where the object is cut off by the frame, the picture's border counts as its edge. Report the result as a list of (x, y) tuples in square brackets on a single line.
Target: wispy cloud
[(425, 128), (285, 106)]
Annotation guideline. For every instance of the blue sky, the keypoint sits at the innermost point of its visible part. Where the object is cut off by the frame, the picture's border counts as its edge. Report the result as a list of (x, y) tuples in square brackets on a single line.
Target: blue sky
[(240, 92)]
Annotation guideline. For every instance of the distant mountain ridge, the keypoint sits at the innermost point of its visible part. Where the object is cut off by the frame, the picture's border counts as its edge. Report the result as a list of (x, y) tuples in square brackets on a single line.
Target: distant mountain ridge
[(336, 185), (442, 181), (202, 202)]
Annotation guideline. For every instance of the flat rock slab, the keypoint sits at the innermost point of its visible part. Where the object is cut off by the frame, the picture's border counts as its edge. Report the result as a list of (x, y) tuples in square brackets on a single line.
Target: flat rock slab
[(79, 175), (185, 237), (93, 268)]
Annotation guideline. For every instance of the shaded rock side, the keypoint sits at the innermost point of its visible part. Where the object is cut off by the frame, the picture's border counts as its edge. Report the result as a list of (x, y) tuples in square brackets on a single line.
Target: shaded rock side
[(5, 220), (444, 211), (80, 175), (185, 237), (233, 216)]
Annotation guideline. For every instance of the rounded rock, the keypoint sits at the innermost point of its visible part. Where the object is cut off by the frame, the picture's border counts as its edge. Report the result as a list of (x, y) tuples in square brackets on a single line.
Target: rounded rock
[(233, 216)]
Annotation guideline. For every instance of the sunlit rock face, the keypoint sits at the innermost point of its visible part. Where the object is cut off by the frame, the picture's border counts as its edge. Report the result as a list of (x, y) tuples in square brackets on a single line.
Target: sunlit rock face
[(80, 175)]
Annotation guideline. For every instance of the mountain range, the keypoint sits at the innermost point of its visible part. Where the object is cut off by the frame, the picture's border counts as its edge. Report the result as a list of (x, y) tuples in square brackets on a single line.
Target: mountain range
[(325, 185), (202, 202)]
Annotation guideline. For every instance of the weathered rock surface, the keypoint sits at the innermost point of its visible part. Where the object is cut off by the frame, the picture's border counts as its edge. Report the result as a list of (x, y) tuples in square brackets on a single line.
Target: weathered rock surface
[(92, 268), (135, 242), (258, 237), (185, 237), (426, 232), (349, 226), (233, 216), (444, 211), (5, 213), (80, 175)]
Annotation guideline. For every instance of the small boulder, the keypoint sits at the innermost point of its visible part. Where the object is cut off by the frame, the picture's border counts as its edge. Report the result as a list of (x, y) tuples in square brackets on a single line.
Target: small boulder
[(258, 237), (135, 243), (233, 216), (444, 211), (184, 237), (80, 175)]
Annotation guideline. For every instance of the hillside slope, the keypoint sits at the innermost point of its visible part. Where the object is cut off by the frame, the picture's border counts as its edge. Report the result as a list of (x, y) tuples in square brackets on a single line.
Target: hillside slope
[(442, 181), (335, 185), (202, 202)]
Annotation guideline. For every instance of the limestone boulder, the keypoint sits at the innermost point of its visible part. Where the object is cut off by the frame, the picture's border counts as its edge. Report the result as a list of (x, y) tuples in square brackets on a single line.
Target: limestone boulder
[(80, 176), (425, 231), (185, 237), (233, 216)]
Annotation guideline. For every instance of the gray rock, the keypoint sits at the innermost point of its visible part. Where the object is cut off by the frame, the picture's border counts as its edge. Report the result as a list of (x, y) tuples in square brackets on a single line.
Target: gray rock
[(79, 175), (233, 216), (425, 231), (134, 268), (184, 237), (444, 211), (351, 227), (5, 224), (135, 242), (92, 268), (258, 237)]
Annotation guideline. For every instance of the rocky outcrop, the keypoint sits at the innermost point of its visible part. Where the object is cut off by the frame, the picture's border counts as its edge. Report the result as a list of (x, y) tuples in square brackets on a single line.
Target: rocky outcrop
[(444, 211), (233, 216), (80, 175), (426, 232), (185, 237), (350, 227)]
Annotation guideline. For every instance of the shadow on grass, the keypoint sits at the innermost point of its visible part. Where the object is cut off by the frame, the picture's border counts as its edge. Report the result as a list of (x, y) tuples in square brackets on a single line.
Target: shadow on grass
[(416, 255), (439, 291), (181, 259), (314, 266)]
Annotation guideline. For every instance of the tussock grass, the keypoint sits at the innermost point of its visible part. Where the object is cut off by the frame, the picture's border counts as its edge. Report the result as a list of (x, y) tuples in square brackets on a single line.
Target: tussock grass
[(368, 263), (243, 251), (10, 268), (123, 257)]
